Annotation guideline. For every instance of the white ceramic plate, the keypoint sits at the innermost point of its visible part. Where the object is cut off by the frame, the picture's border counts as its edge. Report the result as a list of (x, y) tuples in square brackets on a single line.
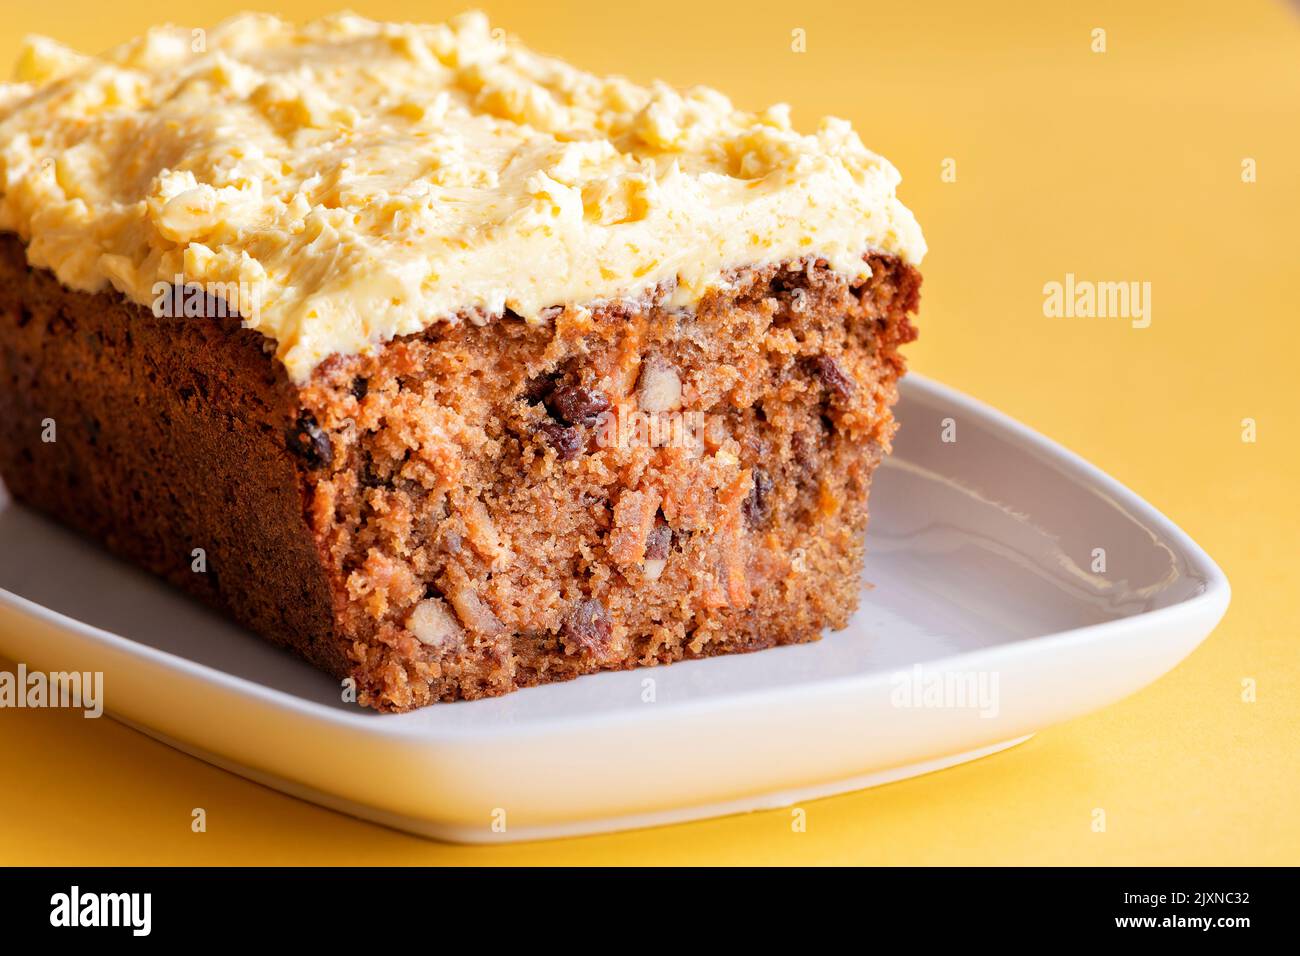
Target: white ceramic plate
[(989, 616)]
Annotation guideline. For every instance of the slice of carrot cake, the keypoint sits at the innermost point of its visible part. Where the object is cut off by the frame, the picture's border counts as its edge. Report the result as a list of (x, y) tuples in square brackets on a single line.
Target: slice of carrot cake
[(445, 364)]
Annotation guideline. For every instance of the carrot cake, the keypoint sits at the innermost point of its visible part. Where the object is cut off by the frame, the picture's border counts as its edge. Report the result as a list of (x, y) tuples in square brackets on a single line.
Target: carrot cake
[(449, 366)]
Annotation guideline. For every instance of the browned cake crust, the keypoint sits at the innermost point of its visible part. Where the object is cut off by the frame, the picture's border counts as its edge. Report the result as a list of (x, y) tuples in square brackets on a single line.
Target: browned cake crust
[(478, 507)]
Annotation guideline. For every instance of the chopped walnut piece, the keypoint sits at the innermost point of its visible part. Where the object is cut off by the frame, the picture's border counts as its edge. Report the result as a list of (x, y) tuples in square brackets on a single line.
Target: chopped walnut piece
[(483, 534), (434, 625), (473, 613), (657, 547), (659, 388)]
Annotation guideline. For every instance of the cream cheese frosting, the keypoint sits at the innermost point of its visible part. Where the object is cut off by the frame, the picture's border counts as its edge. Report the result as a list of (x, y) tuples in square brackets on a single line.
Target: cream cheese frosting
[(368, 179)]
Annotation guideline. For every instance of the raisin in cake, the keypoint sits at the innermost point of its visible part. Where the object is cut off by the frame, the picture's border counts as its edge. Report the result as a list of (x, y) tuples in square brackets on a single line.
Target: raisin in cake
[(467, 370)]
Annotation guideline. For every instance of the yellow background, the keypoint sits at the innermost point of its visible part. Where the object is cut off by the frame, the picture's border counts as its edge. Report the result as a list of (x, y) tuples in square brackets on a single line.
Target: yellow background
[(1122, 165)]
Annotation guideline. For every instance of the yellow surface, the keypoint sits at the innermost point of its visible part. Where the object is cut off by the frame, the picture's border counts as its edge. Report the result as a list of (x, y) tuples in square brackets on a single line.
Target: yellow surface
[(1122, 165)]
